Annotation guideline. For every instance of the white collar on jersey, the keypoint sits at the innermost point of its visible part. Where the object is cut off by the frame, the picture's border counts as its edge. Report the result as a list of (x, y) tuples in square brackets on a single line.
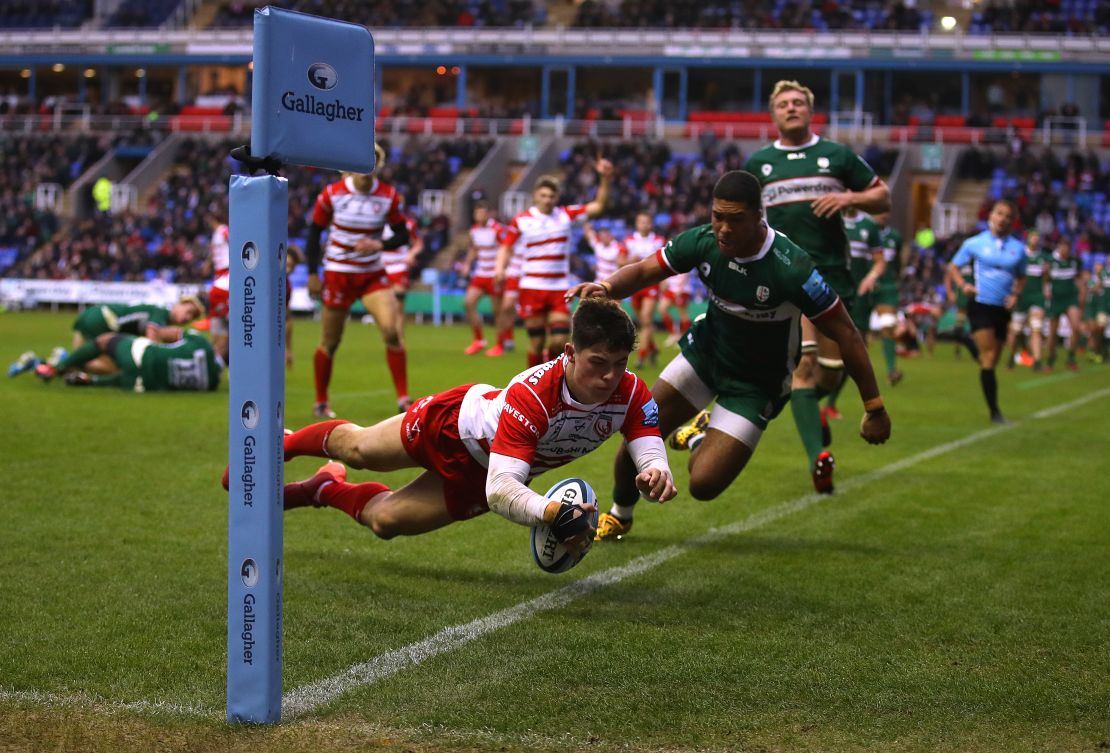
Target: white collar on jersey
[(767, 243), (812, 140), (568, 398), (350, 183)]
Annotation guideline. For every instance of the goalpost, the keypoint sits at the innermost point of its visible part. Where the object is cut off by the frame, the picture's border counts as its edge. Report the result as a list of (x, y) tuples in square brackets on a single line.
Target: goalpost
[(313, 104)]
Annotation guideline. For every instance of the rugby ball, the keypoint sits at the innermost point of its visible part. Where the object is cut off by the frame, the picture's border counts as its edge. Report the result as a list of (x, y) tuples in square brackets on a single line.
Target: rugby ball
[(548, 552)]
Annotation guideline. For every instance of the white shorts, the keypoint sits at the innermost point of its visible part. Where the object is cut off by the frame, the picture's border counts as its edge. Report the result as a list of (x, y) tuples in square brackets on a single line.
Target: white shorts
[(681, 375)]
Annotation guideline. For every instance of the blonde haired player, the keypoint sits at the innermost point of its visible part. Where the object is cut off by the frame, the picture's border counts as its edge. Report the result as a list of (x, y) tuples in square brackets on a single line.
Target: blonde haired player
[(807, 182)]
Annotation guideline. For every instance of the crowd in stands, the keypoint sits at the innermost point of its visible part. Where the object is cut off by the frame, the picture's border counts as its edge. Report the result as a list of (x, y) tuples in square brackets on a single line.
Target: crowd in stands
[(1041, 17), (397, 13), (167, 236), (676, 189), (1057, 195), (991, 16), (35, 14), (825, 15), (25, 163)]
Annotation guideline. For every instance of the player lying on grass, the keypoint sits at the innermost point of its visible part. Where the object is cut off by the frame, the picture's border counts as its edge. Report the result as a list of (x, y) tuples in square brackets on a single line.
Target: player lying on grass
[(141, 364), (481, 445), (155, 322), (742, 353)]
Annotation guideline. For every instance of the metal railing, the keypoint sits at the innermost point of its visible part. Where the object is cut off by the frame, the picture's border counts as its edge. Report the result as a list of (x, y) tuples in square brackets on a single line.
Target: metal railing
[(851, 127)]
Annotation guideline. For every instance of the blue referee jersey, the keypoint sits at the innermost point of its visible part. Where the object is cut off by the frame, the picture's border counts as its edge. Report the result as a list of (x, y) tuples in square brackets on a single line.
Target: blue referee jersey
[(997, 263)]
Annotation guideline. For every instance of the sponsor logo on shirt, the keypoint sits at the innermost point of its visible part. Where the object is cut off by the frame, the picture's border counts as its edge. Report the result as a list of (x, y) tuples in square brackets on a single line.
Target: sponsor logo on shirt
[(520, 418), (651, 413), (818, 290)]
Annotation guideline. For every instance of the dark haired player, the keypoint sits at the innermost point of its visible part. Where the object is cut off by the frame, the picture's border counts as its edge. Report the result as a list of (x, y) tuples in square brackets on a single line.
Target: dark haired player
[(807, 182), (542, 233), (743, 352), (999, 261), (481, 445)]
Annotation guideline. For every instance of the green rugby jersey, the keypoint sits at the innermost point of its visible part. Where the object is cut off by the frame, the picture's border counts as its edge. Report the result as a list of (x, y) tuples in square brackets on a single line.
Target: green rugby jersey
[(188, 364), (1063, 275), (891, 241), (756, 302), (863, 241), (1036, 266), (119, 317), (794, 177)]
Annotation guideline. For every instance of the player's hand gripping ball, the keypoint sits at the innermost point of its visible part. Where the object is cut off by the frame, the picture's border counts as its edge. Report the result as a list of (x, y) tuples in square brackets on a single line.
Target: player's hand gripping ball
[(548, 539)]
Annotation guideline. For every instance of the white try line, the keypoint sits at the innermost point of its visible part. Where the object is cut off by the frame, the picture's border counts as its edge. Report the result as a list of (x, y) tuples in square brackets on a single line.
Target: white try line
[(86, 701), (309, 697)]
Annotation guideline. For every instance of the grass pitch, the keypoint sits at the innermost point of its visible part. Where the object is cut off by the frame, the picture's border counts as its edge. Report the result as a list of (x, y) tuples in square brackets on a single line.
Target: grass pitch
[(955, 602)]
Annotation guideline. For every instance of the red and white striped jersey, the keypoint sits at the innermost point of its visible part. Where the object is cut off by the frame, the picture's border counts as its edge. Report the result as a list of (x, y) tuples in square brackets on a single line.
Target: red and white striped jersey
[(219, 249), (678, 284), (642, 246), (486, 239), (516, 261), (546, 252), (353, 216), (608, 258), (535, 418), (396, 260)]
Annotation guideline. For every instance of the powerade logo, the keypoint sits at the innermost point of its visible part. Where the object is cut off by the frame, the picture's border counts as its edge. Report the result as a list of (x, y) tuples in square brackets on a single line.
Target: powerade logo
[(322, 76)]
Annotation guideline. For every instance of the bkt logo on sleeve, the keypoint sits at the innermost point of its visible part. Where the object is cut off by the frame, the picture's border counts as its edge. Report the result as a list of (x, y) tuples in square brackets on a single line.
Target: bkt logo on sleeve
[(322, 76)]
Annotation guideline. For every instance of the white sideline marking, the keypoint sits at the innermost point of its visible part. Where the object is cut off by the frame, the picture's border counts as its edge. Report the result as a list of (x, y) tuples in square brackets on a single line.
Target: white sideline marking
[(83, 700), (309, 697), (314, 695)]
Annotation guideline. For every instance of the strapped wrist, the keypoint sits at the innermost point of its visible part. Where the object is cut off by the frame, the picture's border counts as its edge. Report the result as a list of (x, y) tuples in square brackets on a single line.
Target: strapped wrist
[(874, 405)]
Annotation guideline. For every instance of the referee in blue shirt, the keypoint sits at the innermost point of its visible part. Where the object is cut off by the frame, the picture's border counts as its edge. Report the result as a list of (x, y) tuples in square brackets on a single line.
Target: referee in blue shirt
[(999, 262)]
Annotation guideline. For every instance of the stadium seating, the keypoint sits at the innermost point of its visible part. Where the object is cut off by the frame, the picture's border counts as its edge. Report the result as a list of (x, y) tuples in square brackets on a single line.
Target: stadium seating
[(380, 15)]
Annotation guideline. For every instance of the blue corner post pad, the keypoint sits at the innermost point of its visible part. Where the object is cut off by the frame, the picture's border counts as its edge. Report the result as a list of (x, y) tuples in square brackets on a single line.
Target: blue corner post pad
[(313, 91), (259, 206)]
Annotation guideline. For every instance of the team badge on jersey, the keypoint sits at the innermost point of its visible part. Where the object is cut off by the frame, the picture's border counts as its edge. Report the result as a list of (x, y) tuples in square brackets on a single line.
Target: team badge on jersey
[(603, 426), (766, 169), (822, 161), (762, 293)]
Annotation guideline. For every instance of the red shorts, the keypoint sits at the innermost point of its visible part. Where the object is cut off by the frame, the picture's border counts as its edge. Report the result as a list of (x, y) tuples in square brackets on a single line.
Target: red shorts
[(342, 289), (400, 280), (512, 284), (678, 299), (430, 435), (647, 294), (539, 302), (218, 296), (486, 285)]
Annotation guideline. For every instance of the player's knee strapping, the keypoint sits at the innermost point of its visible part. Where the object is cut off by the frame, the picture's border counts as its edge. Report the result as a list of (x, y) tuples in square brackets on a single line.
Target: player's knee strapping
[(560, 330), (536, 332)]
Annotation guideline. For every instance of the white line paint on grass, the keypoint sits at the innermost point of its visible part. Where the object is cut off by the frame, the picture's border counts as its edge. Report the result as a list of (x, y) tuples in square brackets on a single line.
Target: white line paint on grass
[(310, 697), (86, 701), (314, 695)]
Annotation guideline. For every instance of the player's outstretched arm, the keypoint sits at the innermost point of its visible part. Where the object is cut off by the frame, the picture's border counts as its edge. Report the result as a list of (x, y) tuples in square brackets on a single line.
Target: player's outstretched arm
[(508, 496), (313, 254), (605, 171), (654, 478), (837, 325), (624, 282)]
